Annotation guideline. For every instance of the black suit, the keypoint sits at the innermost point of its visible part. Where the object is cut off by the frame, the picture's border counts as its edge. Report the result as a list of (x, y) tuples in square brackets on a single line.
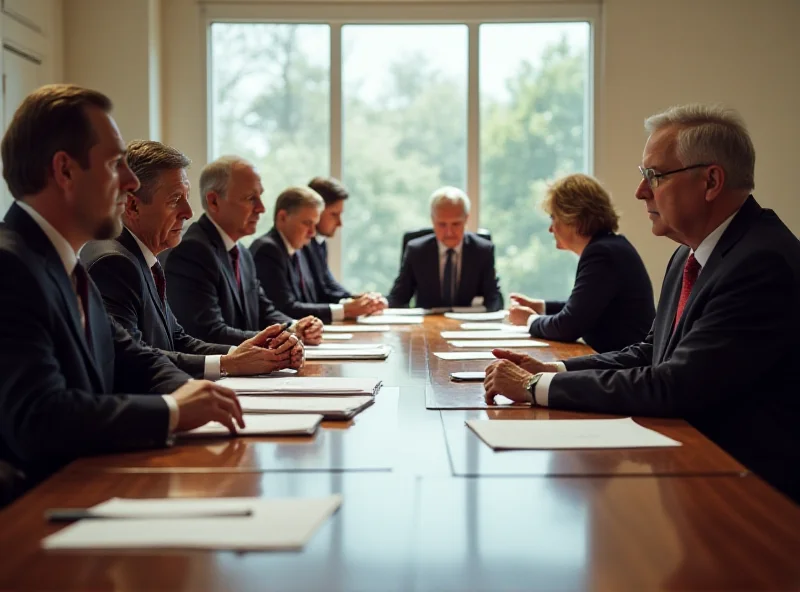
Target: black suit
[(419, 274), (731, 366), (611, 304), (56, 400), (328, 289), (119, 270), (203, 293), (292, 294)]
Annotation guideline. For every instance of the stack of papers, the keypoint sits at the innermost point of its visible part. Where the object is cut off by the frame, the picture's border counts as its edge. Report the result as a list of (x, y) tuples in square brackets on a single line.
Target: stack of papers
[(559, 434), (262, 425), (301, 385), (355, 329), (477, 316), (390, 320), (494, 327), (483, 335), (273, 524), (331, 408), (468, 355), (348, 352), (508, 343)]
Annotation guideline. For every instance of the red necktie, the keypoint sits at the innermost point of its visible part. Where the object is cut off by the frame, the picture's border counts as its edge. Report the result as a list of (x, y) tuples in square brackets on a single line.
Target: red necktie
[(690, 272), (234, 253)]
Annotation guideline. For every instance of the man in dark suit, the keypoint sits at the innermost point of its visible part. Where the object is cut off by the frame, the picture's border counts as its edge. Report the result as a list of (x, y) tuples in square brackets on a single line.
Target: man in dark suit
[(132, 283), (452, 267), (723, 348), (64, 360), (211, 280), (285, 272)]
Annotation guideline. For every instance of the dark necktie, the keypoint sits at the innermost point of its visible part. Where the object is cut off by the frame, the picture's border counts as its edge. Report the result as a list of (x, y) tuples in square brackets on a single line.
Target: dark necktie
[(234, 253), (323, 248), (160, 280), (447, 282), (299, 271), (690, 272), (80, 280)]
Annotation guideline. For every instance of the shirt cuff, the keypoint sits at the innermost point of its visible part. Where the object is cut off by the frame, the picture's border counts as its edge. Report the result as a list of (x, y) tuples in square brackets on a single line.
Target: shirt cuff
[(531, 319), (232, 349), (562, 367), (337, 312), (211, 370), (542, 390), (174, 413)]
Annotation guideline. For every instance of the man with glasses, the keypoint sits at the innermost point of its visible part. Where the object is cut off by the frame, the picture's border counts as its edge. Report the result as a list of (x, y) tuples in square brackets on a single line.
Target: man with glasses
[(723, 348)]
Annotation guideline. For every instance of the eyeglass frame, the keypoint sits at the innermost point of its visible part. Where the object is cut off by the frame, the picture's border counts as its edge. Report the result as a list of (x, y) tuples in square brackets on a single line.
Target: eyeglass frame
[(652, 179)]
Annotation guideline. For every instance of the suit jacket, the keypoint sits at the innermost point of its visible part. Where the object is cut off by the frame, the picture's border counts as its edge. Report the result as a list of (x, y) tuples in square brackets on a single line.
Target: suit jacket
[(419, 274), (328, 289), (730, 368), (202, 289), (281, 282), (120, 271), (58, 396), (611, 304)]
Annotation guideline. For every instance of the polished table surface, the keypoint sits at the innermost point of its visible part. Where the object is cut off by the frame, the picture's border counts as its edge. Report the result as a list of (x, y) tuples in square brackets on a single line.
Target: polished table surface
[(427, 506)]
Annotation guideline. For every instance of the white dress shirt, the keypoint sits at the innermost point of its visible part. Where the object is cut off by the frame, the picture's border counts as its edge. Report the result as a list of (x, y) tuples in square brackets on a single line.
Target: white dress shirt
[(456, 264), (702, 254), (70, 259)]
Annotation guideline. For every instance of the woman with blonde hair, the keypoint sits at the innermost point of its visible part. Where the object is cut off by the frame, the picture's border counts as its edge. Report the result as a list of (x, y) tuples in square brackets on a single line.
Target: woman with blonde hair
[(611, 305)]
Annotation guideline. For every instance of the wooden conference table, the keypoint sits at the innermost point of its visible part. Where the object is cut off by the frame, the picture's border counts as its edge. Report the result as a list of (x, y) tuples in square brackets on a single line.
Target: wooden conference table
[(427, 506)]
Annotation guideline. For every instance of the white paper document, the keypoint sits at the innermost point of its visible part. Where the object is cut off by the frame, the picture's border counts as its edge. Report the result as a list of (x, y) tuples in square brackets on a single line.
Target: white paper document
[(494, 327), (390, 320), (404, 312), (361, 353), (355, 329), (282, 524), (301, 385), (323, 346), (477, 316), (558, 434), (467, 355), (483, 335), (508, 343), (337, 336), (301, 424), (329, 407)]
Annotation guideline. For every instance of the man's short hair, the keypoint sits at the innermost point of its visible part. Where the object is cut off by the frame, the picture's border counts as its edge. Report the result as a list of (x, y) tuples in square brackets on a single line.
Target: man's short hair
[(711, 134), (330, 189), (51, 119), (449, 195), (216, 175), (295, 198), (581, 202), (148, 159)]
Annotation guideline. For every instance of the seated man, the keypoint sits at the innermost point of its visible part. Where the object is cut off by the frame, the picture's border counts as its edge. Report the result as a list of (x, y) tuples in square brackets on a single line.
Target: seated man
[(723, 348), (283, 269), (132, 283), (211, 281), (64, 361), (316, 251), (451, 267)]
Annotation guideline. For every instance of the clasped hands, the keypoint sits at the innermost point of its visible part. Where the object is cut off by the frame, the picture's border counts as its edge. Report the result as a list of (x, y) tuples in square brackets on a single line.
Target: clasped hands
[(272, 349), (508, 374)]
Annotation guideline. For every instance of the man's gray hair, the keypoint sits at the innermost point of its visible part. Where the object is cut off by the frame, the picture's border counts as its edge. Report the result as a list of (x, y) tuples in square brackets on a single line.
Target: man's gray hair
[(292, 199), (711, 134), (449, 195), (216, 175)]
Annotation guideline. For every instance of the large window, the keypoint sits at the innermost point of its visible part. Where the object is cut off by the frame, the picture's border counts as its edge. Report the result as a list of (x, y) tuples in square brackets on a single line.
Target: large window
[(403, 129)]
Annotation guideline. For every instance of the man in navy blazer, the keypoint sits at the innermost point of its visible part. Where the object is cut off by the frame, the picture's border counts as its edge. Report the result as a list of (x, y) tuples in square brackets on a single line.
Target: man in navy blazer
[(452, 266), (723, 349), (133, 285), (64, 362)]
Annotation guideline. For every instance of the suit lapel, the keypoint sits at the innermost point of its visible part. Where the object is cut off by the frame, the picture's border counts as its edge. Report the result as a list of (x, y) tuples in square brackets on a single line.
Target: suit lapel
[(224, 260)]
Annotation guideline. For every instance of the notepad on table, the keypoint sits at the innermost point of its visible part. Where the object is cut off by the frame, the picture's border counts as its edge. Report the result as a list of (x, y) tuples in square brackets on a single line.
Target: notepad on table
[(483, 335), (477, 316), (494, 327), (301, 385), (508, 343), (301, 424), (281, 524), (355, 329), (468, 355), (331, 408), (557, 434), (390, 320)]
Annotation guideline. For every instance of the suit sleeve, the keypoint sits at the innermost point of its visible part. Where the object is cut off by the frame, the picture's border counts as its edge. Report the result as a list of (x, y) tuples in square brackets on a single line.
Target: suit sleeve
[(42, 420), (739, 318), (273, 274), (552, 307), (633, 356), (595, 287), (192, 275), (492, 297), (333, 289), (405, 286), (188, 344)]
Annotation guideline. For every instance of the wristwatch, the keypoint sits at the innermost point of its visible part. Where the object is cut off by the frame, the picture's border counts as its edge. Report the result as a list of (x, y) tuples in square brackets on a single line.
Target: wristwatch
[(530, 386)]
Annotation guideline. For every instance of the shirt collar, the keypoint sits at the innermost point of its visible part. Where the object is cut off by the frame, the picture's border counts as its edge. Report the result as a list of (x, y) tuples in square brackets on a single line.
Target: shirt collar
[(319, 238), (704, 250), (65, 252), (148, 254), (289, 247), (443, 248), (226, 240)]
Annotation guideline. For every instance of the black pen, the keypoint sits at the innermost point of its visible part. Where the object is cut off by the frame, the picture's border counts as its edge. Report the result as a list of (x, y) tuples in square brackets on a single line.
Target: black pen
[(73, 514)]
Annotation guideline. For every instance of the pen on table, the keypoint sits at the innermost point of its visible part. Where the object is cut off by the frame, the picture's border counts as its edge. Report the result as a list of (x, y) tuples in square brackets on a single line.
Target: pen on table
[(73, 514)]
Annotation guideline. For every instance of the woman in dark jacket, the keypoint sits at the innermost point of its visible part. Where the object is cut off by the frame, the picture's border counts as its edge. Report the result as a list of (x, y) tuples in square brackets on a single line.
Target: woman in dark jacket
[(611, 305)]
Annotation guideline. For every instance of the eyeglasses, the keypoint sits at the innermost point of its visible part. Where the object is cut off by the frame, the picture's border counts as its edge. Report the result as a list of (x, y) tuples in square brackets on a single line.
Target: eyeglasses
[(652, 177)]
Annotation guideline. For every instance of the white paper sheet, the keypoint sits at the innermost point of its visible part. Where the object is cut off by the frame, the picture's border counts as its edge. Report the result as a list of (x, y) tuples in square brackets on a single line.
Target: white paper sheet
[(362, 345), (557, 434), (301, 424), (355, 329), (348, 354), (468, 309), (328, 407), (467, 355), (483, 335), (391, 320), (337, 336), (276, 525), (506, 343), (477, 316), (404, 312), (301, 385), (486, 326)]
